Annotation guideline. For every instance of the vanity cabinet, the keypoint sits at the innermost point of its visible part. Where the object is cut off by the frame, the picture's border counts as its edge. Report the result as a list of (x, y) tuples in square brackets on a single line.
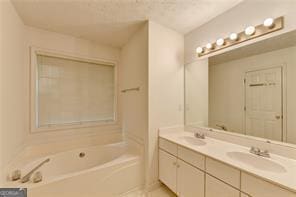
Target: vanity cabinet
[(223, 172), (191, 174), (180, 177), (257, 187), (168, 170), (215, 187), (190, 180)]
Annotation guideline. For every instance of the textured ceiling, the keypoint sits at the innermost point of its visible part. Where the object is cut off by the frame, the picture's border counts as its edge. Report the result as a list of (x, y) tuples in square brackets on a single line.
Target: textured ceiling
[(112, 22)]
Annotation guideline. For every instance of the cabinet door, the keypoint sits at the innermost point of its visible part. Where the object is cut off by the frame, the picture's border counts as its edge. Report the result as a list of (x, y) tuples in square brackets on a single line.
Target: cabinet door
[(190, 180), (215, 187), (168, 170), (257, 187)]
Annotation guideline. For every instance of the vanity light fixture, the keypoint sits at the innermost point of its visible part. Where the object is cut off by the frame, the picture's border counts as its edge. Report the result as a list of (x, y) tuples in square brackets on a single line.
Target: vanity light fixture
[(269, 22), (199, 50), (269, 25), (220, 42), (250, 30), (233, 36), (209, 46)]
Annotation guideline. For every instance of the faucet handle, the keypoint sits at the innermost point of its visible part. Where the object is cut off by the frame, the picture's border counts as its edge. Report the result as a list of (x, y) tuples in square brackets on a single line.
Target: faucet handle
[(16, 175), (202, 136), (37, 177), (265, 151), (254, 149)]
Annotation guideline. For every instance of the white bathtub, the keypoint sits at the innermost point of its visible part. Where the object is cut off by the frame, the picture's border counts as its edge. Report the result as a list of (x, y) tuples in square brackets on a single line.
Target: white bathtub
[(108, 170)]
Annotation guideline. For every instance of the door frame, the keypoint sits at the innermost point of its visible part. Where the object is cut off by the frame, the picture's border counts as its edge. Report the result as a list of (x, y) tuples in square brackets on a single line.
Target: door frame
[(283, 67)]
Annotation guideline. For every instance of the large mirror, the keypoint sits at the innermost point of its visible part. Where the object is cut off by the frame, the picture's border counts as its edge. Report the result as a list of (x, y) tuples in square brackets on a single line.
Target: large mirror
[(250, 90)]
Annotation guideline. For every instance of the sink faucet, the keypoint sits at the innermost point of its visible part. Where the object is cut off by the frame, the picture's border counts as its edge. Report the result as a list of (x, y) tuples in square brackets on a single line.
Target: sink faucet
[(27, 177), (223, 127), (259, 152), (199, 135)]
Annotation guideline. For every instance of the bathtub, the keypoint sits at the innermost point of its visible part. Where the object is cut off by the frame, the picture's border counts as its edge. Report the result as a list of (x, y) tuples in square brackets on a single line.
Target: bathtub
[(107, 170)]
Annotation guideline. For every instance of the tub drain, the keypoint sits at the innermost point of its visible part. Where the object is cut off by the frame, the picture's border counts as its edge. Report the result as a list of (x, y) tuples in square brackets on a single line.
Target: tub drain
[(82, 154)]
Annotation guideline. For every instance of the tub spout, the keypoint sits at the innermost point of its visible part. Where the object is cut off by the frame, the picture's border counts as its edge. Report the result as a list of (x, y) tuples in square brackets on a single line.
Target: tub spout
[(27, 177)]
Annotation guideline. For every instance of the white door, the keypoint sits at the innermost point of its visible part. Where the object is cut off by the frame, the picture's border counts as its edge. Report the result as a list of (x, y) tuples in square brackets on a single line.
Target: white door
[(190, 181), (168, 170), (263, 99)]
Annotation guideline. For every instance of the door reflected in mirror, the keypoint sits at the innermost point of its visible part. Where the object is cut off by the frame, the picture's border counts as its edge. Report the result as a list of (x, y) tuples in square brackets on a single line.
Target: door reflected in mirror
[(250, 90)]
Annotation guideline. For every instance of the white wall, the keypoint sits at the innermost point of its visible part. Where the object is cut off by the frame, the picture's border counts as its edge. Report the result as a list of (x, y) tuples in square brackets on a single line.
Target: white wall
[(12, 83), (134, 62), (166, 89), (153, 60), (249, 12), (196, 93), (76, 47), (227, 89)]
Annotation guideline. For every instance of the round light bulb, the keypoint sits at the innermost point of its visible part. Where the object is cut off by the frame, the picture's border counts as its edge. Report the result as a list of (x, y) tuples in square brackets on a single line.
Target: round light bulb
[(250, 30), (199, 50), (269, 22), (209, 46), (220, 42), (233, 36)]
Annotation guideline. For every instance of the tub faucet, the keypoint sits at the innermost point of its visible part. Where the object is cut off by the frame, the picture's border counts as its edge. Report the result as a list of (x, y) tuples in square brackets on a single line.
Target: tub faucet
[(27, 177)]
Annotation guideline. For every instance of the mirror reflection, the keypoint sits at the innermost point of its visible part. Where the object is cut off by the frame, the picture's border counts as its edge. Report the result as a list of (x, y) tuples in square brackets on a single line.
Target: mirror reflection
[(250, 90)]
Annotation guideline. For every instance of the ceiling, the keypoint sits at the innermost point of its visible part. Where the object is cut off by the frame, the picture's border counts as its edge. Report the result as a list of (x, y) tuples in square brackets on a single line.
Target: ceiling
[(112, 22), (275, 43)]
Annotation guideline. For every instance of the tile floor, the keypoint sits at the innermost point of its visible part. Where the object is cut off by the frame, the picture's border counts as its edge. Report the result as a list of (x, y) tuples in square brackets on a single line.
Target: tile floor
[(159, 192)]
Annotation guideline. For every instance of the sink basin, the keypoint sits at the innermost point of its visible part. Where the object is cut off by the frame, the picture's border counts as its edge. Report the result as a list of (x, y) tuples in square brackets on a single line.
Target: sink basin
[(193, 140), (258, 162)]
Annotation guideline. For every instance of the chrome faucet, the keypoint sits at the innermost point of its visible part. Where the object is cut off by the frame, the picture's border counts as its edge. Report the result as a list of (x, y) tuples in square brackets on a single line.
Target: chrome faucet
[(199, 135), (27, 177), (259, 152)]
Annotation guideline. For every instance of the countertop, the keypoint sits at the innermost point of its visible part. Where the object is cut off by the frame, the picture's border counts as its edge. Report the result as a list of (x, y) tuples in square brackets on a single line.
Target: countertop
[(219, 150)]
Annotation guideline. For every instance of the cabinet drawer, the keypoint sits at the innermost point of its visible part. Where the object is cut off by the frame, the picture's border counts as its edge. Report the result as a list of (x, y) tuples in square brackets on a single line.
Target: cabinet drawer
[(257, 187), (191, 157), (168, 146), (215, 187), (224, 172)]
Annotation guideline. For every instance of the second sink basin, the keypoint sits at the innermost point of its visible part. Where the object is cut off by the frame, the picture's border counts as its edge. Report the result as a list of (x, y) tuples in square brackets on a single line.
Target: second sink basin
[(193, 140), (257, 162)]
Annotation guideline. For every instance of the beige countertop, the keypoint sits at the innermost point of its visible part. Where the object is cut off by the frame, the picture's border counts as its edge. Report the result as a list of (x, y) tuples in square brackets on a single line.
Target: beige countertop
[(281, 171)]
